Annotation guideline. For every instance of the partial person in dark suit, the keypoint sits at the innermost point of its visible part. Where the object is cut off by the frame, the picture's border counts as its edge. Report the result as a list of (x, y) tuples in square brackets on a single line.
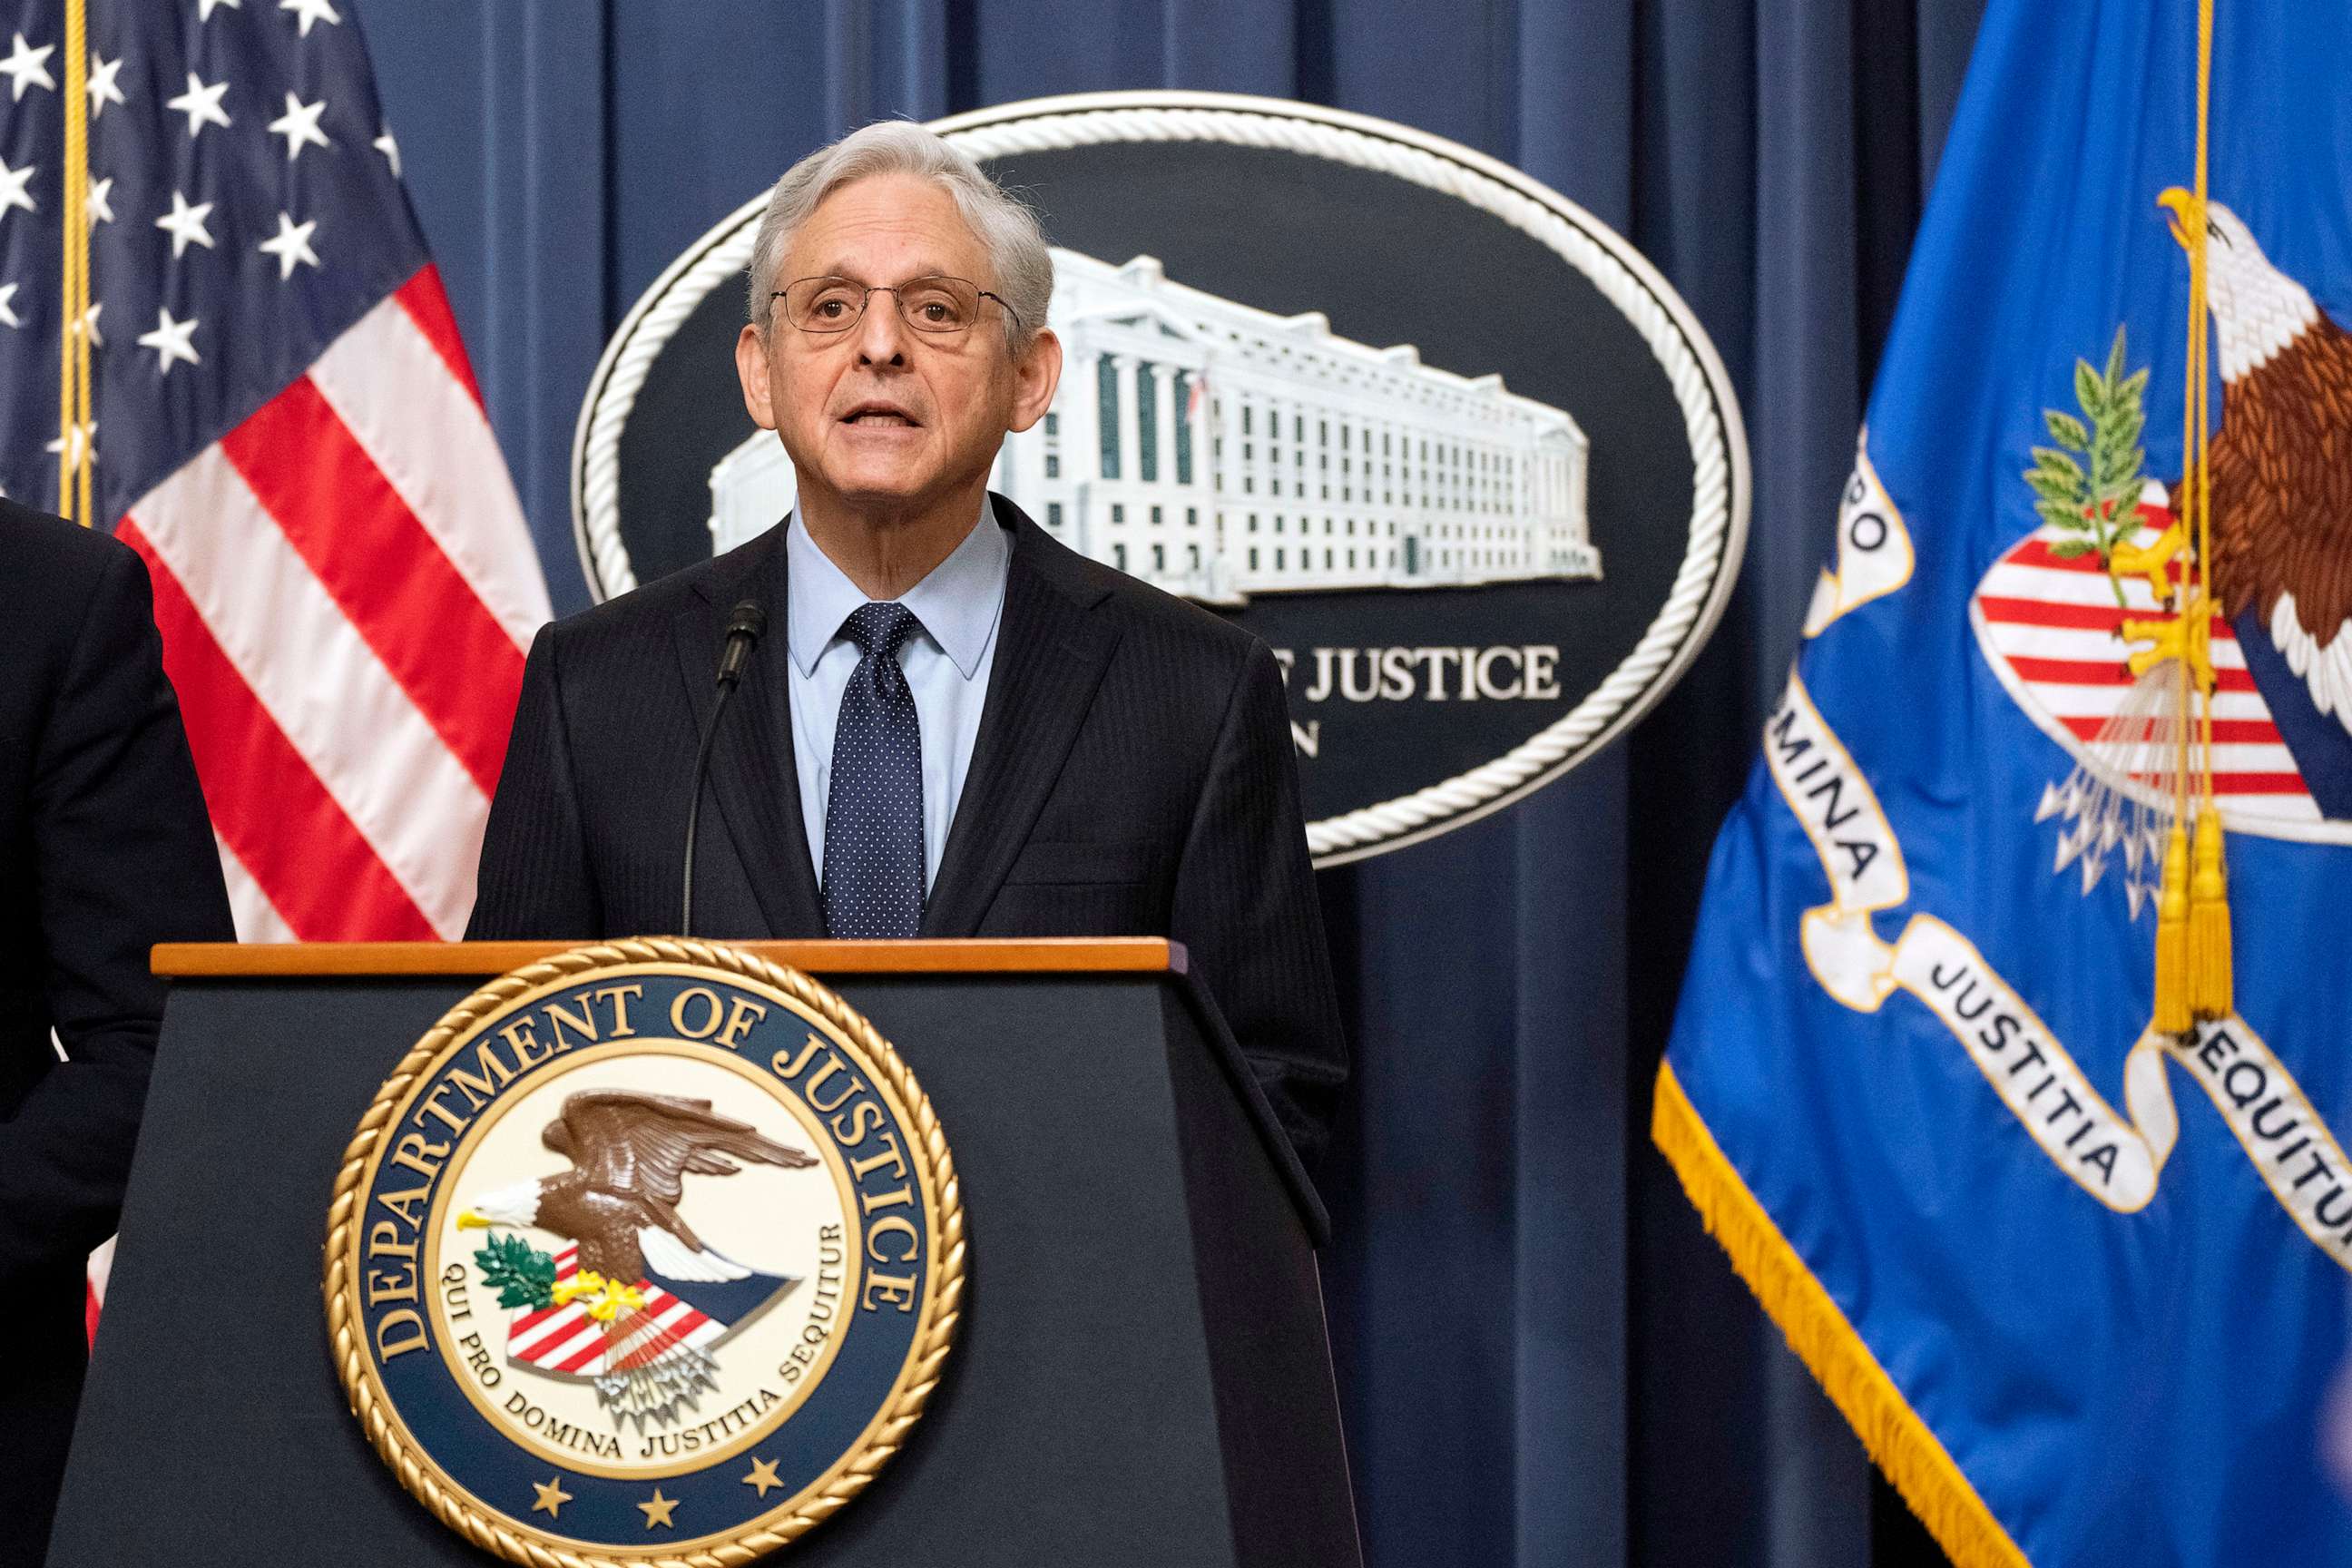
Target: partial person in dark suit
[(954, 725), (105, 850)]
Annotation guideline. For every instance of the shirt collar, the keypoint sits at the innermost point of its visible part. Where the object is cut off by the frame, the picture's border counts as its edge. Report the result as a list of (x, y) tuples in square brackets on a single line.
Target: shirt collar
[(957, 602)]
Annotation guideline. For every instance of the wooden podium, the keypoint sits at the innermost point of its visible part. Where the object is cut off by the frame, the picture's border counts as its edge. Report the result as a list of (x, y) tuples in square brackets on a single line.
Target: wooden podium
[(1141, 1377)]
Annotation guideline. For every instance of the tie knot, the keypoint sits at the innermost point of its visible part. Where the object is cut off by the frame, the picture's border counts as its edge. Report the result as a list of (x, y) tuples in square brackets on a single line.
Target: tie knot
[(880, 628)]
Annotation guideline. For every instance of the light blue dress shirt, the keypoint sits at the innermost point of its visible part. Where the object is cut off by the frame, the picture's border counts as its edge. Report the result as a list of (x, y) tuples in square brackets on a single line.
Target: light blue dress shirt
[(946, 664)]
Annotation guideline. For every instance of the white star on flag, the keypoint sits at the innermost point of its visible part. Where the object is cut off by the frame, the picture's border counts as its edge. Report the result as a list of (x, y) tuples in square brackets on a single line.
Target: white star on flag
[(88, 328), (169, 340), (23, 67), (201, 104), (390, 148), (102, 88), (8, 313), (12, 187), (99, 208), (85, 438), (299, 125), (205, 8), (310, 11), (290, 244), (186, 224)]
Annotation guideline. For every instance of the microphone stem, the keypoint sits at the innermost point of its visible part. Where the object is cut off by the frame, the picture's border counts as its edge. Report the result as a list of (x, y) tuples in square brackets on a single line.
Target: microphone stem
[(694, 807)]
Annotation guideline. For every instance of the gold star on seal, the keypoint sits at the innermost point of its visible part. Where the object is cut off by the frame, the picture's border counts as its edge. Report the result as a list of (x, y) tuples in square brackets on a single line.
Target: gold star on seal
[(552, 1495), (762, 1476), (657, 1510)]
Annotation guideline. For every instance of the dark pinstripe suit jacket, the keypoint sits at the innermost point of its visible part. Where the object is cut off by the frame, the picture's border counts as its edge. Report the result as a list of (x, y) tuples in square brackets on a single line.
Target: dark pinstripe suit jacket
[(1132, 776), (104, 850)]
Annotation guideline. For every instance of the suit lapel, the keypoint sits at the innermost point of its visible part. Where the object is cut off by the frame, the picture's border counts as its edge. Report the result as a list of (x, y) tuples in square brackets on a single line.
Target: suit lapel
[(1050, 656), (753, 777)]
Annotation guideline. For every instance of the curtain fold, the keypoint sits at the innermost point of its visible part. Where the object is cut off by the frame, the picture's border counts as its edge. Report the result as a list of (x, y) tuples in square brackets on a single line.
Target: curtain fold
[(1543, 1359)]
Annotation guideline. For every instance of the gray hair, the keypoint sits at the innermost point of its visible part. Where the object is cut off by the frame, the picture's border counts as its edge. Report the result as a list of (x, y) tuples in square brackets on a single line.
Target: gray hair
[(1003, 224)]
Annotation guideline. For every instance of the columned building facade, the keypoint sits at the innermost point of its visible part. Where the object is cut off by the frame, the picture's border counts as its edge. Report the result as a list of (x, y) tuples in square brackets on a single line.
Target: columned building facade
[(1220, 451)]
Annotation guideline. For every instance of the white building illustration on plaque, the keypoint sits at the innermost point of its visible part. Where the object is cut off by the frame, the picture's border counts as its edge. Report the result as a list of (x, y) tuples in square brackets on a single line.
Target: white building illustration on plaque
[(1218, 452)]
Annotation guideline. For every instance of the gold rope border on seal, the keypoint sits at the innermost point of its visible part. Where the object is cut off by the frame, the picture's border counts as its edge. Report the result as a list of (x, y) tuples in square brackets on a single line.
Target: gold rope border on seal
[(933, 1336)]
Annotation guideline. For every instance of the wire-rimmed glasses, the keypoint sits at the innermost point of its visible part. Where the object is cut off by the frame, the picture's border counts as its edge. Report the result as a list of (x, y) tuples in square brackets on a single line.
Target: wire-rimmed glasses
[(938, 306)]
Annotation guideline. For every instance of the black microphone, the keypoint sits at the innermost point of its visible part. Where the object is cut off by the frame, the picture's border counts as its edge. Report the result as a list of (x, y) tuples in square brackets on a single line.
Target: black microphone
[(745, 626)]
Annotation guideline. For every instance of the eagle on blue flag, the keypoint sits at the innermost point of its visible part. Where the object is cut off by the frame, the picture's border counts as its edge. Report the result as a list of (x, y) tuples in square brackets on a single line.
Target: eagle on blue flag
[(2045, 1174)]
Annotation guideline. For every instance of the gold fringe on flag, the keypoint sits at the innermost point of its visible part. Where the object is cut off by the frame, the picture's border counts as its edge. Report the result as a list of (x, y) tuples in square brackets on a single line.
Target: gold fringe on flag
[(1898, 1441)]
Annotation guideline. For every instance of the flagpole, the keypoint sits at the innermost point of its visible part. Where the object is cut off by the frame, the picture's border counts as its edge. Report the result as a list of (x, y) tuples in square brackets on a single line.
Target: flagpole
[(73, 338)]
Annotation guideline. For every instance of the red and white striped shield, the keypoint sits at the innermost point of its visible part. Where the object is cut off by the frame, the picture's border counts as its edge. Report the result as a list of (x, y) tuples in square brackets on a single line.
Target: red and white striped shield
[(565, 1341), (2051, 629)]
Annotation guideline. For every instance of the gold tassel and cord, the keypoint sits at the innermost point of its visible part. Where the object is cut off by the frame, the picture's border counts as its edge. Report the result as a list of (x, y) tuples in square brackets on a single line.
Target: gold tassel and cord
[(74, 421), (2209, 922), (2175, 1010), (2195, 959)]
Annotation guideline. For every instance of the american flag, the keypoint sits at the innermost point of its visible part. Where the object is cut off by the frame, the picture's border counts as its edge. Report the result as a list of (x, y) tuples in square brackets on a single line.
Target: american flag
[(285, 427)]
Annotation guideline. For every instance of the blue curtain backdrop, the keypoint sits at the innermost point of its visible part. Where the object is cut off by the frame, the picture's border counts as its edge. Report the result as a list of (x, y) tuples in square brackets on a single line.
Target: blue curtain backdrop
[(1543, 1360)]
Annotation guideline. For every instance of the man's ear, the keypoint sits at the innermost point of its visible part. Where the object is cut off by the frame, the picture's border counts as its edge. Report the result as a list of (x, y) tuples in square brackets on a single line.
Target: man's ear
[(1036, 374), (751, 369)]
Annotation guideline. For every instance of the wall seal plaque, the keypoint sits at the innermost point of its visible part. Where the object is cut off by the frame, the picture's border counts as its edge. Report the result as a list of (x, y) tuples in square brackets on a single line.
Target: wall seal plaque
[(1453, 447), (648, 1253)]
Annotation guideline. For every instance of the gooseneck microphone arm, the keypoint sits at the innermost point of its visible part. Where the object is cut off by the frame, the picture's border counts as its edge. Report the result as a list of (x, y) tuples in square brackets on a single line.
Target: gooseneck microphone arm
[(745, 625)]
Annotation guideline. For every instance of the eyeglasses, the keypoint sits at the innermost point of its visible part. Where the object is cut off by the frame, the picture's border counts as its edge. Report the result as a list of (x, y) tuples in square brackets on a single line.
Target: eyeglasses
[(938, 306)]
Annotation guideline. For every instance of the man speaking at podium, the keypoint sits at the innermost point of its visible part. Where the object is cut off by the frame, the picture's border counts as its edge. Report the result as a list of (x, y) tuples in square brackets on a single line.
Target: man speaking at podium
[(935, 721)]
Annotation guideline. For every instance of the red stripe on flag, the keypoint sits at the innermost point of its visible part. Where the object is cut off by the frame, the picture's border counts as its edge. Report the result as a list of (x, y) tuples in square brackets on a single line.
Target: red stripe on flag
[(386, 573), (2037, 552), (2094, 672), (2077, 617), (265, 803), (427, 304), (2228, 732), (2238, 783)]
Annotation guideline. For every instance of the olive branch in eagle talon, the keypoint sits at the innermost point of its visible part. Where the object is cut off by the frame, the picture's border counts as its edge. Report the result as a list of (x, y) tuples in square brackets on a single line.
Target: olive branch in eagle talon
[(521, 1274), (2088, 484)]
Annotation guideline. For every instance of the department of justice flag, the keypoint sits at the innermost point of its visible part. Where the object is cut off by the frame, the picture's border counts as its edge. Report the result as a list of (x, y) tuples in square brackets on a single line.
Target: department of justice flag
[(2011, 1068), (283, 424)]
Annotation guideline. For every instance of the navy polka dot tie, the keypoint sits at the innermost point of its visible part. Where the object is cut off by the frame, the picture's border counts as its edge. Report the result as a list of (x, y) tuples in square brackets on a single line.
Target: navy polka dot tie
[(873, 805)]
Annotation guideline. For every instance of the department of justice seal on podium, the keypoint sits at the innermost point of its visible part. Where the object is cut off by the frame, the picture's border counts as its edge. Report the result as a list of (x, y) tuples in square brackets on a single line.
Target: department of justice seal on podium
[(651, 1252)]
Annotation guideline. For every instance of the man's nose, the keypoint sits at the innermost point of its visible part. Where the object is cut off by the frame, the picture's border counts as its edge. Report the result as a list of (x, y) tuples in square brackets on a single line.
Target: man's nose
[(881, 332)]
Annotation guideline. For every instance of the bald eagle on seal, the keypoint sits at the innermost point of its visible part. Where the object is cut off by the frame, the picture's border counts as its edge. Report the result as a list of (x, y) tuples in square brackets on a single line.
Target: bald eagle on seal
[(630, 1155), (2282, 495)]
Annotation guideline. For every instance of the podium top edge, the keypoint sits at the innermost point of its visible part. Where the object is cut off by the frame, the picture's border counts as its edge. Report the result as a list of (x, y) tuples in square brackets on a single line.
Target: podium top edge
[(1023, 955)]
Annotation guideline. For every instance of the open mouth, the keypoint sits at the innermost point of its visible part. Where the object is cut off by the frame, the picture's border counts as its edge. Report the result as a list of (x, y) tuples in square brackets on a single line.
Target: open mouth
[(878, 416)]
